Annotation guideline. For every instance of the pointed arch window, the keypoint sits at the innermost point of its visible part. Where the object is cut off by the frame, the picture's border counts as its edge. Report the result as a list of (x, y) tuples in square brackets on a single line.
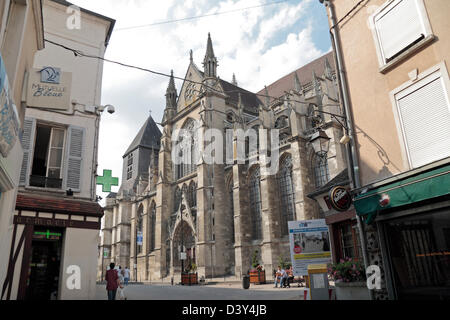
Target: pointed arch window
[(187, 150), (255, 204), (152, 226), (287, 193), (177, 199), (321, 171), (139, 229)]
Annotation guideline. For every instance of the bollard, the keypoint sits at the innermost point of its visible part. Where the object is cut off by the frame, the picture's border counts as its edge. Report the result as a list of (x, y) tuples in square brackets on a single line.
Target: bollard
[(246, 282)]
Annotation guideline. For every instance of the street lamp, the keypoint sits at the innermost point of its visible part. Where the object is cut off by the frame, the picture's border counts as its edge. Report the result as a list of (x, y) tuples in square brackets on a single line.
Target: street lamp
[(320, 142)]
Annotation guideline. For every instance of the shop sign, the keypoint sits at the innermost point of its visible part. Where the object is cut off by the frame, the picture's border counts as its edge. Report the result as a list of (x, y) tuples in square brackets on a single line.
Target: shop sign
[(340, 198), (9, 119), (49, 88)]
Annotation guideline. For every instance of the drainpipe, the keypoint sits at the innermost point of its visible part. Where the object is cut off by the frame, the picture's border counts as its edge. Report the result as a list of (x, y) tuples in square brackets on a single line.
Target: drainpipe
[(353, 167)]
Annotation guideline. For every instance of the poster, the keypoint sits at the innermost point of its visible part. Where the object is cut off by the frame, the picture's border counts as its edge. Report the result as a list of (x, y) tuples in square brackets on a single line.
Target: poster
[(9, 119), (309, 244)]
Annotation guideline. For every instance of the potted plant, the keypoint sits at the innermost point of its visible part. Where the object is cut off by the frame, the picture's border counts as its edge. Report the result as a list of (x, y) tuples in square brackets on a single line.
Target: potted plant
[(257, 273), (349, 279)]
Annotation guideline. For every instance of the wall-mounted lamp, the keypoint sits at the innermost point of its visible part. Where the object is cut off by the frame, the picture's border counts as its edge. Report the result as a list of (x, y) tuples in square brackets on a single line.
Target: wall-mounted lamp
[(320, 142)]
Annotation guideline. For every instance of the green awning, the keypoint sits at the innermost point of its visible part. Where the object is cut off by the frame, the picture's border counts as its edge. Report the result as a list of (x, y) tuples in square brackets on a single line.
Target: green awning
[(426, 185)]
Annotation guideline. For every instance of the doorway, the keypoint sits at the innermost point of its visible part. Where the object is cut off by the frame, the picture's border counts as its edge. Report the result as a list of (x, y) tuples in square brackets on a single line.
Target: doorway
[(44, 268)]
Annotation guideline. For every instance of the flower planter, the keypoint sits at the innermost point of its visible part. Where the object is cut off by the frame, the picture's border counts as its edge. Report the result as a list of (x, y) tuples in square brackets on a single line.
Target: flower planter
[(258, 277), (189, 278), (352, 291)]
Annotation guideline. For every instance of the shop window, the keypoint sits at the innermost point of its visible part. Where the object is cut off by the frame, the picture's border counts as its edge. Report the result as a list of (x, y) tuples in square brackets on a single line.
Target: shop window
[(348, 244), (419, 253)]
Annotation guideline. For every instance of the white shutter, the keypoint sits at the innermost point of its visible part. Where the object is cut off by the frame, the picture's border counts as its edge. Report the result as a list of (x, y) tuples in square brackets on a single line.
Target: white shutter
[(425, 117), (75, 158), (27, 140), (398, 26)]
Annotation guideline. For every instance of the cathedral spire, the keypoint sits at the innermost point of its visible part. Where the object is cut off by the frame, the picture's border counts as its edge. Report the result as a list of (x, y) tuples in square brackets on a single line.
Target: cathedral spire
[(171, 92), (210, 61), (297, 84), (267, 98), (234, 82), (171, 99), (328, 70)]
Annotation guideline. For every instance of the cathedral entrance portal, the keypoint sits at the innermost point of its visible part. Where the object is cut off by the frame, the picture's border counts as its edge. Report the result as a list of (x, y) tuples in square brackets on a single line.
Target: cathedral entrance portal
[(183, 241)]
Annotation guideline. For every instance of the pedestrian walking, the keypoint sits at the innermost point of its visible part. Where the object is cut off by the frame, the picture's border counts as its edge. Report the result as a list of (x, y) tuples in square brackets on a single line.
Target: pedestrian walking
[(112, 282), (283, 278)]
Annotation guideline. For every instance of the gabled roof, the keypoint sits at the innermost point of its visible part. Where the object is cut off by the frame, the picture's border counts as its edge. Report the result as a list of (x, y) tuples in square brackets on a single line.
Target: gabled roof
[(304, 74), (248, 99), (148, 136)]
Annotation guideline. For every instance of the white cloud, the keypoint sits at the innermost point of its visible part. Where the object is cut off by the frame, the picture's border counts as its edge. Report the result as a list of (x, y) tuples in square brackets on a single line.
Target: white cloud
[(260, 45)]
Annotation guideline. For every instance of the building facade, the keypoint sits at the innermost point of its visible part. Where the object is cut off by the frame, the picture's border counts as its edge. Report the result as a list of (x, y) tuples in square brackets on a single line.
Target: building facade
[(220, 214), (21, 36), (53, 246), (396, 57)]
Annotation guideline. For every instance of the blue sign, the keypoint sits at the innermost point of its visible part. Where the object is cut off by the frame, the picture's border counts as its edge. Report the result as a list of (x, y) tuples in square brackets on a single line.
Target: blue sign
[(139, 238), (9, 123)]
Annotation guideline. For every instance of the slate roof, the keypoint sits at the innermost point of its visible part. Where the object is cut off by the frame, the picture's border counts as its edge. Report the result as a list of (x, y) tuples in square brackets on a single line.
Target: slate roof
[(55, 205), (304, 74), (111, 195), (340, 180), (248, 99), (148, 136)]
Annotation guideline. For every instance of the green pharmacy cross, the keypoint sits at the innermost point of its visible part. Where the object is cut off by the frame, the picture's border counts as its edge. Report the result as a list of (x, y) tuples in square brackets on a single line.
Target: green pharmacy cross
[(48, 234), (107, 180)]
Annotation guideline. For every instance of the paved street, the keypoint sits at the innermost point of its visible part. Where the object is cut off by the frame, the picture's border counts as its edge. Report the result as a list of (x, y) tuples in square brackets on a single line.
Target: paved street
[(222, 291)]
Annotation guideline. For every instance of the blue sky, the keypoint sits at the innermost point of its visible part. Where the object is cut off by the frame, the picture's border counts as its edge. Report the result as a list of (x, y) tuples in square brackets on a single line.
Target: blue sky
[(259, 45)]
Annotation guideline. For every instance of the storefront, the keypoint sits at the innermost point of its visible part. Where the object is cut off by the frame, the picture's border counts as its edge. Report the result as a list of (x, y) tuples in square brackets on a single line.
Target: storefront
[(340, 216), (50, 237), (411, 212)]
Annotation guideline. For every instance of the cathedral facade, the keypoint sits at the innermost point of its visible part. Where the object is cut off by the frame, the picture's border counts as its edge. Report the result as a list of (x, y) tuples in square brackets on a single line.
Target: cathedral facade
[(218, 215)]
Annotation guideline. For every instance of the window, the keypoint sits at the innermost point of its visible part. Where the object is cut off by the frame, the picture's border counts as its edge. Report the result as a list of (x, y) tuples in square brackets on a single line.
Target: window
[(287, 195), (152, 226), (130, 166), (423, 112), (187, 150), (47, 158), (397, 26), (348, 244), (255, 205), (321, 172)]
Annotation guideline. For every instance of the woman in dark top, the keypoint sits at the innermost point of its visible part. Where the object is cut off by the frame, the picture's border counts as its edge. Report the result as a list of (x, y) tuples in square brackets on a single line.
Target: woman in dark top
[(112, 282)]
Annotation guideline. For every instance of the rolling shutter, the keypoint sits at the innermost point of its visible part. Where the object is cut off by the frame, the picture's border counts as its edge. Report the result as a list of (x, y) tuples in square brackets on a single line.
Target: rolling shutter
[(425, 116), (27, 141), (75, 158), (398, 26)]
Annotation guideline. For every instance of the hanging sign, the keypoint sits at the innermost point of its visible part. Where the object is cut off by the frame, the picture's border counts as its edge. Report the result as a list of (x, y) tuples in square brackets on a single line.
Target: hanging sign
[(340, 198), (49, 88), (9, 119)]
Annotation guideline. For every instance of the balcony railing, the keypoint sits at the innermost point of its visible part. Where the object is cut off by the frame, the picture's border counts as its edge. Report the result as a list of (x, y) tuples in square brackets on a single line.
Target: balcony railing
[(45, 182)]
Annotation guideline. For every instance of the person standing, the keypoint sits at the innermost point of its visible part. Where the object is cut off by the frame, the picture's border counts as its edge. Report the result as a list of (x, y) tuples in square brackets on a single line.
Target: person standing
[(112, 281), (126, 275), (283, 277), (277, 276)]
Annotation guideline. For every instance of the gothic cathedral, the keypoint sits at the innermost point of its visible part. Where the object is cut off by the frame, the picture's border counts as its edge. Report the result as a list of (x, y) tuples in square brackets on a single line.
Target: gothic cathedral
[(221, 214)]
